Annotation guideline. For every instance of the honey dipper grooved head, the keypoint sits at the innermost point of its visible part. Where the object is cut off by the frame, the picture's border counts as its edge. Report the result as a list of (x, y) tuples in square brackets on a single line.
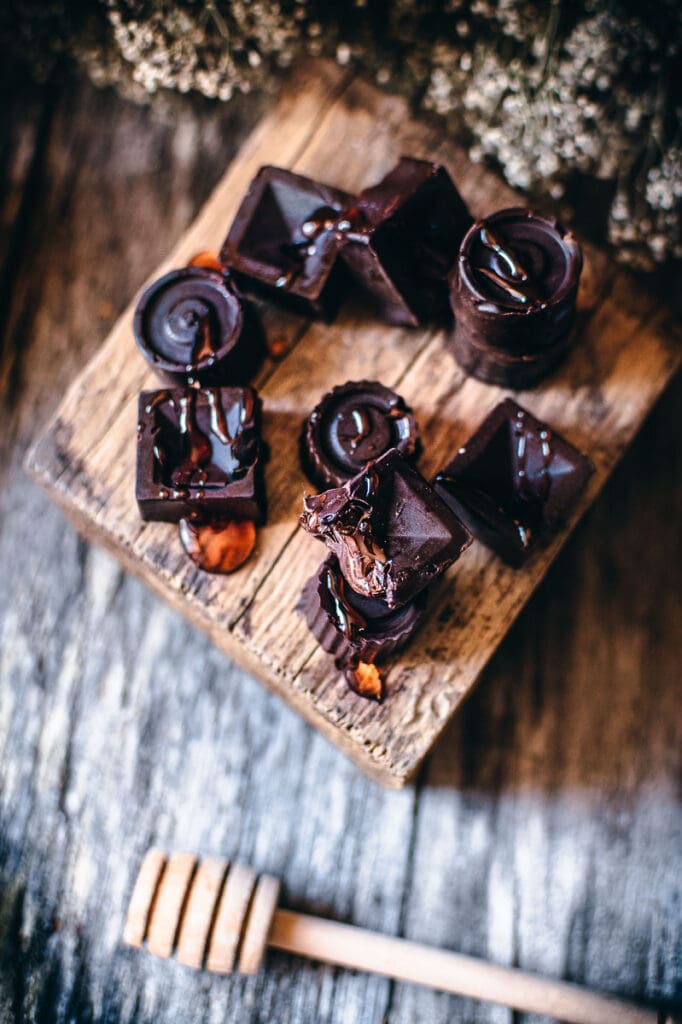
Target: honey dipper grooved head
[(207, 912)]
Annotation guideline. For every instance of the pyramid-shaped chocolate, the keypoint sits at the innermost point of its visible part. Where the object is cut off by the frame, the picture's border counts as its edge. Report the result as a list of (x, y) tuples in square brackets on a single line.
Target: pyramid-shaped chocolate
[(391, 533), (513, 480), (284, 241), (403, 241)]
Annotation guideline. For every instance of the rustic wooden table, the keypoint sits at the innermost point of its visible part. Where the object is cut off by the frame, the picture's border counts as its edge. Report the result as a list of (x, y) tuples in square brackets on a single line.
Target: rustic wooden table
[(545, 831)]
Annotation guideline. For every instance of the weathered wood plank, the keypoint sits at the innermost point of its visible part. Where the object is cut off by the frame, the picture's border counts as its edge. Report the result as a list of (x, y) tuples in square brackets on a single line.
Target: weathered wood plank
[(620, 365)]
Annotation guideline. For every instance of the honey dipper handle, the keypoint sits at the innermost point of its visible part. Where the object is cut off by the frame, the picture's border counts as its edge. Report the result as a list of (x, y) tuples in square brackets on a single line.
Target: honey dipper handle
[(347, 946)]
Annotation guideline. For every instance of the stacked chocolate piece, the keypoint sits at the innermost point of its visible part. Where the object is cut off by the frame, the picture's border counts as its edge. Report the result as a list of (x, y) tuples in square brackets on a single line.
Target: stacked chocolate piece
[(390, 536), (513, 296)]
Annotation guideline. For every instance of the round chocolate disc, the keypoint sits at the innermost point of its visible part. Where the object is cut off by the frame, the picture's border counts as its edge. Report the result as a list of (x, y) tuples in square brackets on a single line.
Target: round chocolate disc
[(352, 425), (352, 627), (513, 296), (188, 324)]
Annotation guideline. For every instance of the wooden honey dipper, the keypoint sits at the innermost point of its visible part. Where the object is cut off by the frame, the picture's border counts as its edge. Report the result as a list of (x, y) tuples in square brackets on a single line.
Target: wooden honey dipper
[(223, 918)]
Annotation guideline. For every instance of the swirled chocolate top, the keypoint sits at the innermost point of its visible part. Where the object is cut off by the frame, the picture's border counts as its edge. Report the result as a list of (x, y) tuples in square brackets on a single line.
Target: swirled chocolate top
[(188, 321), (353, 424)]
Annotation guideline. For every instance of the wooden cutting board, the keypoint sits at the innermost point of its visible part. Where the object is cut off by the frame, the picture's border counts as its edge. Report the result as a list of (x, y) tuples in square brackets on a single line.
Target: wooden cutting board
[(343, 131)]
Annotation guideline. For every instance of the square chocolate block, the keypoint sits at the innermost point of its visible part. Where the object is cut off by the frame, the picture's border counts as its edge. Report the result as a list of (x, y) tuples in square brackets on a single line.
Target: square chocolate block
[(512, 481), (391, 533), (199, 455), (403, 241), (284, 241)]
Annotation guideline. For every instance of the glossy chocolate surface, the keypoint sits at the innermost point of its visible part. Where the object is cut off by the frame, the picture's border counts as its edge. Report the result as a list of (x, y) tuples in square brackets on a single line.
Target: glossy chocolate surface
[(353, 424), (388, 528), (285, 240), (199, 455), (189, 324), (350, 626), (403, 240), (513, 295), (513, 480)]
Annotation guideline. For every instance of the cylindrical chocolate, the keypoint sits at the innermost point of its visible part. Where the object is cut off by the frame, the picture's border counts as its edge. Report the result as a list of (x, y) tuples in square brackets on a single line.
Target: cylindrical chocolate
[(189, 324), (351, 627), (513, 295), (353, 424)]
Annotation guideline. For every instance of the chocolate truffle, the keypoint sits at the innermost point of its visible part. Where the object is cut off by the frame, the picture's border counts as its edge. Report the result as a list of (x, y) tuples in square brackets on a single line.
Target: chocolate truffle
[(513, 295), (285, 240), (199, 455), (190, 325), (350, 626), (353, 424), (388, 528), (512, 481), (403, 238)]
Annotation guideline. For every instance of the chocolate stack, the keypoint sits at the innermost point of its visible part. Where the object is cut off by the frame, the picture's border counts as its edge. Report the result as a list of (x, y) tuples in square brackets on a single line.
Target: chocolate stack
[(513, 295), (390, 536)]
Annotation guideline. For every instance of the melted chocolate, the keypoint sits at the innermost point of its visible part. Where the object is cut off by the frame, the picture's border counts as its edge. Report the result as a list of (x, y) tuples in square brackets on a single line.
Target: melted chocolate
[(352, 425), (388, 528), (285, 241), (512, 481), (199, 452), (513, 294), (189, 325)]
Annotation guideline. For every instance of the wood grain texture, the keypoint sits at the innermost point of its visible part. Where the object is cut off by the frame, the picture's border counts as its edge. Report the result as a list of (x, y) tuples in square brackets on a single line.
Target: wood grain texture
[(624, 357), (544, 830)]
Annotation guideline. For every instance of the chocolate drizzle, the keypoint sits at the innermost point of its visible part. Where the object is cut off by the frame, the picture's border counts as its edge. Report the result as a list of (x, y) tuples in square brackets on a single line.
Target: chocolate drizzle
[(348, 621), (508, 274), (505, 252), (218, 419), (362, 428), (533, 489), (323, 220), (198, 448)]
